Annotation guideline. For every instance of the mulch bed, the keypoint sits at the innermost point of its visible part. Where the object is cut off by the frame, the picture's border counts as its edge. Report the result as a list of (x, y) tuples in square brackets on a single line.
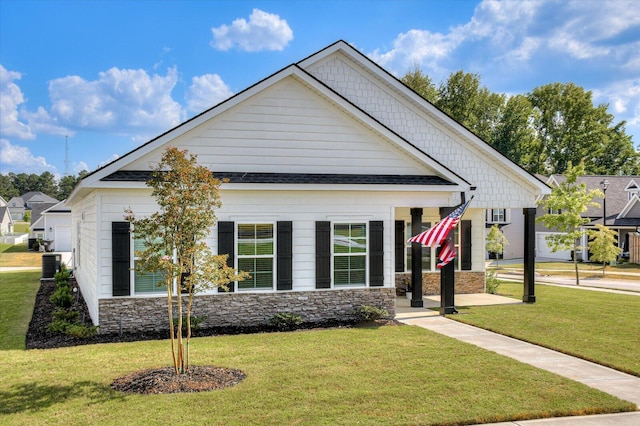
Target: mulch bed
[(153, 381), (165, 380)]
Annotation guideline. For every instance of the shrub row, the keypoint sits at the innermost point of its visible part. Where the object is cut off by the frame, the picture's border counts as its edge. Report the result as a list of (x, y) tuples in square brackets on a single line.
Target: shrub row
[(65, 320)]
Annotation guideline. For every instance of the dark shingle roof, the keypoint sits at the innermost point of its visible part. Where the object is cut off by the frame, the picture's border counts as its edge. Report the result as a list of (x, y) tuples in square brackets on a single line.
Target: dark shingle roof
[(296, 178)]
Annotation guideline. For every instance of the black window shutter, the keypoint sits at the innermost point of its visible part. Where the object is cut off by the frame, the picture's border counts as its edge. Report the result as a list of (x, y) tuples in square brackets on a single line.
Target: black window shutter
[(376, 253), (120, 259), (285, 256), (323, 254), (399, 245), (226, 245), (465, 245)]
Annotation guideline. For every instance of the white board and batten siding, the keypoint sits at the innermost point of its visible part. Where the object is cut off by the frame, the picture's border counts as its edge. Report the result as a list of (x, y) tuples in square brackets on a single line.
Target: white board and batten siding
[(289, 128)]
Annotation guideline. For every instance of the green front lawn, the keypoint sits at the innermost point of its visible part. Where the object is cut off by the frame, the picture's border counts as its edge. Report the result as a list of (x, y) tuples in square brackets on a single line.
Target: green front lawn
[(392, 375), (19, 255), (18, 293), (598, 326), (385, 376)]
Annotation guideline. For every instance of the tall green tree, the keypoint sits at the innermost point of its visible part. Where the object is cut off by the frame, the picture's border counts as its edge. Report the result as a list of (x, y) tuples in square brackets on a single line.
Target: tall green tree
[(471, 105), (565, 204), (515, 136), (174, 238), (571, 129), (68, 182), (7, 189), (602, 245), (420, 83)]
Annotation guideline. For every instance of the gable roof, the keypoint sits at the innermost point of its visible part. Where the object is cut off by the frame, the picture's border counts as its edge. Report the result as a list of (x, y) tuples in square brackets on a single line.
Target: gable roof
[(617, 196), (393, 83), (38, 209), (302, 72)]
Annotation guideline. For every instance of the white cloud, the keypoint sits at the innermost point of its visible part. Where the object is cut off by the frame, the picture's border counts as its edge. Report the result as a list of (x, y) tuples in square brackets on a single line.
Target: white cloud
[(623, 98), (120, 100), (206, 91), (41, 122), (264, 31), (111, 159), (19, 159), (79, 166), (517, 31), (10, 98)]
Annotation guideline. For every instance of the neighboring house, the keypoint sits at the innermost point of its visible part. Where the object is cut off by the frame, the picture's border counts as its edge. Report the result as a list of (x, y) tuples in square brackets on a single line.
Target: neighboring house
[(622, 211), (6, 223), (36, 227), (19, 205), (51, 223), (511, 223), (329, 161)]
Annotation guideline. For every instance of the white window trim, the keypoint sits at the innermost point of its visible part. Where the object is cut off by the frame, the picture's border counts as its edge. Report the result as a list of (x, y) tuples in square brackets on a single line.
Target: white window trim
[(366, 255), (273, 256)]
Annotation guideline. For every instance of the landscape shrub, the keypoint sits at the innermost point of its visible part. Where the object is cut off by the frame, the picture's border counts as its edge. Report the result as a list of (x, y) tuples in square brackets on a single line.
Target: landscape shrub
[(69, 316), (285, 321), (196, 321), (371, 313), (492, 283), (81, 331), (62, 297)]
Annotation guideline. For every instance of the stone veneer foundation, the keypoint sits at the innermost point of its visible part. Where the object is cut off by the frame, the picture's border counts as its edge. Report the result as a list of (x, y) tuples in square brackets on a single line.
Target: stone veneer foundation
[(137, 314), (466, 282)]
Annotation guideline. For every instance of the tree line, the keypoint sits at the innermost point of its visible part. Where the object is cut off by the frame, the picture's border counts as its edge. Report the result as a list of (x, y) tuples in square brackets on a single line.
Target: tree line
[(543, 131), (15, 185)]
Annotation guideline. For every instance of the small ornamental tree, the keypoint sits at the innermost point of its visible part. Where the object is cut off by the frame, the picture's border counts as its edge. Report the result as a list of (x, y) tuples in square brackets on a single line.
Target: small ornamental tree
[(496, 241), (602, 245), (174, 240), (565, 204)]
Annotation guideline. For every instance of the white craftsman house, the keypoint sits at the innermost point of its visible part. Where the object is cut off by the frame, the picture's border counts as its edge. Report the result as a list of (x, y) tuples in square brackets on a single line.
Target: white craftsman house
[(330, 160)]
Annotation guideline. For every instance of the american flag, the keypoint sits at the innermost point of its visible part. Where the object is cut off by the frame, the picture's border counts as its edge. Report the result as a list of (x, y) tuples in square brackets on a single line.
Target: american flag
[(438, 233), (447, 254)]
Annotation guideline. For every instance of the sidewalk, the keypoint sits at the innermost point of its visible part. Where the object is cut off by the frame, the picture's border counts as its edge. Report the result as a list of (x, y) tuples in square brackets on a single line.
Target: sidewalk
[(616, 383)]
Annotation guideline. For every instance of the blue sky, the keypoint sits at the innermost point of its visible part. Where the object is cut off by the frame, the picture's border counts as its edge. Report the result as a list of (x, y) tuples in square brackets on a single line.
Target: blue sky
[(107, 76)]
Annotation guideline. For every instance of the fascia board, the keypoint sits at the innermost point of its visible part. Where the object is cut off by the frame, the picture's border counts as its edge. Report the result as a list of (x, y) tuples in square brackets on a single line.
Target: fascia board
[(632, 202), (433, 112), (379, 128), (342, 187)]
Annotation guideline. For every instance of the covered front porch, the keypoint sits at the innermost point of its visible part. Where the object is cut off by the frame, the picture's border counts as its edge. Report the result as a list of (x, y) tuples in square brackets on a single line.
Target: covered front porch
[(416, 266)]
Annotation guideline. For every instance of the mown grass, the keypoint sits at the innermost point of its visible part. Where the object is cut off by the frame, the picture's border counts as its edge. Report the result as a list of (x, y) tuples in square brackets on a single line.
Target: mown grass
[(18, 291), (21, 227), (597, 326), (385, 376), (19, 255), (585, 269)]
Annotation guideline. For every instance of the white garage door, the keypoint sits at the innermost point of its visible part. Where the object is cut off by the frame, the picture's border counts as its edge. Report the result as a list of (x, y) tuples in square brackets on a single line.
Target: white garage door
[(544, 251), (62, 238)]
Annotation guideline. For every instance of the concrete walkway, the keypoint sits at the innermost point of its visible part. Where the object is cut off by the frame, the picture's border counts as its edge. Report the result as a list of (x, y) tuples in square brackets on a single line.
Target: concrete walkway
[(619, 384)]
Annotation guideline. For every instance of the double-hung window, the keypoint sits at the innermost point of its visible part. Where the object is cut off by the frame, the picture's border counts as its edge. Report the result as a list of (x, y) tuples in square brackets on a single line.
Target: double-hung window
[(256, 251), (349, 254), (498, 215), (146, 282)]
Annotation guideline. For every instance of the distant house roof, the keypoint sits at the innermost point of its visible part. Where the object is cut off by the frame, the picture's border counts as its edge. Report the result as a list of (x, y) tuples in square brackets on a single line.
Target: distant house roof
[(32, 197), (619, 195), (38, 209)]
